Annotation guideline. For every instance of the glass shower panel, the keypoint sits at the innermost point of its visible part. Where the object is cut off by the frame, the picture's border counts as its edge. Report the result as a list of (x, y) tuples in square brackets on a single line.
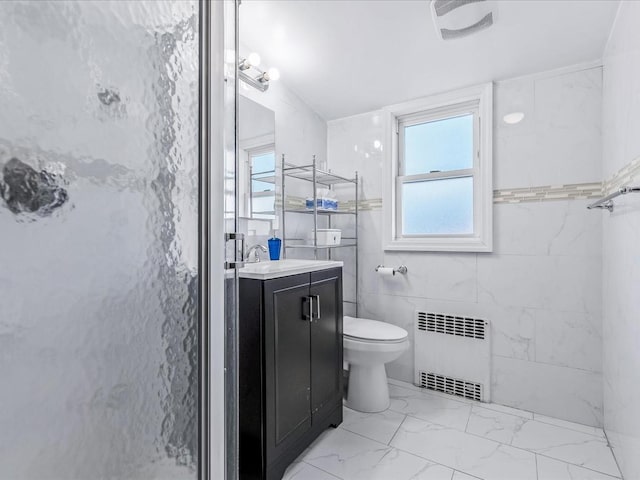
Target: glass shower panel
[(98, 240)]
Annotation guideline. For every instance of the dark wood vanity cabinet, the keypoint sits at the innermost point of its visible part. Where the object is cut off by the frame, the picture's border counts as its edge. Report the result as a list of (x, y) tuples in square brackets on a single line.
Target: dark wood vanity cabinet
[(290, 367)]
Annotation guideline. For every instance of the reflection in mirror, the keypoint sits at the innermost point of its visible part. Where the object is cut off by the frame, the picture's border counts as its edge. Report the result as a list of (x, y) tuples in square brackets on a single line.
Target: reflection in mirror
[(256, 139)]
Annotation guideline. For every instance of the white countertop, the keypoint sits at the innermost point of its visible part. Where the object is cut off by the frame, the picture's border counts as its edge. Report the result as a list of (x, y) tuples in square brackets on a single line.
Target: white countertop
[(267, 270)]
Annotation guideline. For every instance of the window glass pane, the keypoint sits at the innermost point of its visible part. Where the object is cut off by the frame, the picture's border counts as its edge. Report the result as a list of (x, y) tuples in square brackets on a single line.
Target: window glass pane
[(258, 186), (263, 207), (263, 166), (265, 162), (441, 145), (438, 206)]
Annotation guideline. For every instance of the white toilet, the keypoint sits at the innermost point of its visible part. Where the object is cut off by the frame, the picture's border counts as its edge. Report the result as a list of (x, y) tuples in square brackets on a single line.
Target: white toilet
[(368, 345)]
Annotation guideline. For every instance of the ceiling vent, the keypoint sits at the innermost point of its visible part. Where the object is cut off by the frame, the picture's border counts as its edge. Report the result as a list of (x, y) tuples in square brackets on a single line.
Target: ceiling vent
[(461, 18)]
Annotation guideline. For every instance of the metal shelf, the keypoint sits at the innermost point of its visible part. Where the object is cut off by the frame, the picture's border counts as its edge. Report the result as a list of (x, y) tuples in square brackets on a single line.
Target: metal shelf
[(306, 240), (320, 247), (321, 212), (318, 178), (311, 174)]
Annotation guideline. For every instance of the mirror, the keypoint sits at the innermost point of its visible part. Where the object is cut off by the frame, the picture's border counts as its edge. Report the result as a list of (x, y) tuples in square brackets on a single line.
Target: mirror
[(256, 145)]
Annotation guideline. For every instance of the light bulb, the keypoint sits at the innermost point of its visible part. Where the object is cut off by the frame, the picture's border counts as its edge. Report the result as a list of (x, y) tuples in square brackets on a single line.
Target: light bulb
[(254, 59), (377, 144), (513, 118), (274, 73)]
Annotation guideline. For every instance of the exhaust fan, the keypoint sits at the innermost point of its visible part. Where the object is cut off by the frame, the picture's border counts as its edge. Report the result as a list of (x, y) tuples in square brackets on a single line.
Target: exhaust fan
[(460, 18)]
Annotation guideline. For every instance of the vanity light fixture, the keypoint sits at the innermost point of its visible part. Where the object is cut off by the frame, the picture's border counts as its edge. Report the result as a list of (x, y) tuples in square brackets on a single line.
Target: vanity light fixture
[(261, 81), (513, 118)]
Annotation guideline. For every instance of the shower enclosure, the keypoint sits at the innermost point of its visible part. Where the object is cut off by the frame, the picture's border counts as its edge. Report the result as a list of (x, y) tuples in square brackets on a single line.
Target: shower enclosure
[(106, 330)]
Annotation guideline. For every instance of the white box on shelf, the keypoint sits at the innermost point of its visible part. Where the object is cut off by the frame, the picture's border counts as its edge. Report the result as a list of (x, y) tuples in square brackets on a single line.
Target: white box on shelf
[(327, 237)]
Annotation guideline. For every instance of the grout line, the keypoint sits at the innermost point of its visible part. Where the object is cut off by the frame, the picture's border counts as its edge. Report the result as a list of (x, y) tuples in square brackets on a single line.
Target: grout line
[(465, 473), (322, 470), (579, 466), (498, 410), (397, 430), (477, 282), (468, 419), (507, 413), (434, 393), (367, 438), (569, 428), (615, 459), (536, 460), (555, 365)]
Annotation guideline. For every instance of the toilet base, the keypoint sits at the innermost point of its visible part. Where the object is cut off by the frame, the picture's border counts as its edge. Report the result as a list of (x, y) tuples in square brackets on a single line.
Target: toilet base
[(368, 390)]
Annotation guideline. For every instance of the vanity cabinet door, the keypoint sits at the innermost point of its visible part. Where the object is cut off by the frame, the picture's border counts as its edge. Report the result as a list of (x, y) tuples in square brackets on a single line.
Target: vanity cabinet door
[(287, 362), (326, 342)]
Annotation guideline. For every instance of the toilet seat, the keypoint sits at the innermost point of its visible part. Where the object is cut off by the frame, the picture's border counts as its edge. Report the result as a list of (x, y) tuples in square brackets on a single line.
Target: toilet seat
[(366, 340), (372, 331)]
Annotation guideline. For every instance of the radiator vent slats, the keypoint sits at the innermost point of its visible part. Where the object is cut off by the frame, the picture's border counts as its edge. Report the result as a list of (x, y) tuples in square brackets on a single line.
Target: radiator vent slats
[(452, 325), (451, 386)]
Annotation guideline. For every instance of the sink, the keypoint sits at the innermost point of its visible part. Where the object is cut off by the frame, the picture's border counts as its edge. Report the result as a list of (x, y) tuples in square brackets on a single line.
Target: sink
[(283, 268)]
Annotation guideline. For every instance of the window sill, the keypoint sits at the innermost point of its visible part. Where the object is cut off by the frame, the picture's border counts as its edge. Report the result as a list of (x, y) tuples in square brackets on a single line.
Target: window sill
[(445, 244)]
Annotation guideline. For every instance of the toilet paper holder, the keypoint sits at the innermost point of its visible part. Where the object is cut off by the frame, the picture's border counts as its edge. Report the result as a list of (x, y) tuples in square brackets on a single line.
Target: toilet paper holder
[(401, 269)]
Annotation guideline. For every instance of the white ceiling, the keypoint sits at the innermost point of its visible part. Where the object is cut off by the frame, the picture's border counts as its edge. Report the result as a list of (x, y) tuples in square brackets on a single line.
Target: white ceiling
[(344, 57)]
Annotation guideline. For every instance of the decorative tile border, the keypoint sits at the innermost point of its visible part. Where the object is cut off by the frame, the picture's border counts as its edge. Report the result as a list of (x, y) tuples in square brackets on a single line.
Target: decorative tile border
[(547, 193), (544, 193), (368, 204), (629, 175)]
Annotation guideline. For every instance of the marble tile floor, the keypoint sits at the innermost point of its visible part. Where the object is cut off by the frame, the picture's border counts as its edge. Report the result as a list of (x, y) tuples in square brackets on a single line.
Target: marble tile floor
[(430, 436)]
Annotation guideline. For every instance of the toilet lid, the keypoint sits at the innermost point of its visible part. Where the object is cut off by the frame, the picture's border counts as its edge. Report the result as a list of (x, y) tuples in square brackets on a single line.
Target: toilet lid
[(366, 329)]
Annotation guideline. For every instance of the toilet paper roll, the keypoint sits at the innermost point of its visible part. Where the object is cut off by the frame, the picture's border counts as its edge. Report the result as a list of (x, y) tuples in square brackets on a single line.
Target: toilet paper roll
[(386, 271)]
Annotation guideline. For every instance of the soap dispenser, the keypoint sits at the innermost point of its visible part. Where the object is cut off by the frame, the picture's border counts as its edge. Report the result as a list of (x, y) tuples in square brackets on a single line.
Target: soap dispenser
[(275, 245)]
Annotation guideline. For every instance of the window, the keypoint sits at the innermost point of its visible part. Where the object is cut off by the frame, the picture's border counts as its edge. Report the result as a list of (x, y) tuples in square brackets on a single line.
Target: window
[(262, 188), (440, 198)]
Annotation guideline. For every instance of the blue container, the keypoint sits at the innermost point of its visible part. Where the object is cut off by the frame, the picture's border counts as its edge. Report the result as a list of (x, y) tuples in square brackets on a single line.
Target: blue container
[(275, 244)]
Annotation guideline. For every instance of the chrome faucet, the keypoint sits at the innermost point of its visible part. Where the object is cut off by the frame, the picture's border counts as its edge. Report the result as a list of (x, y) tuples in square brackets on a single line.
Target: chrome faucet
[(252, 254)]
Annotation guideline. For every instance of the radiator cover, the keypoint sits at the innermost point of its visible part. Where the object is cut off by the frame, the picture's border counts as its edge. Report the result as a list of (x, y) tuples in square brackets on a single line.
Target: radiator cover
[(453, 355)]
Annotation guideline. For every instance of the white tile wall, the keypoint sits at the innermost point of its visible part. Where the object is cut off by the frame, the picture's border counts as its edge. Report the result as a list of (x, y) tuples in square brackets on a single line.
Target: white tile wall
[(621, 243), (566, 393), (545, 281), (540, 288), (559, 139), (562, 227)]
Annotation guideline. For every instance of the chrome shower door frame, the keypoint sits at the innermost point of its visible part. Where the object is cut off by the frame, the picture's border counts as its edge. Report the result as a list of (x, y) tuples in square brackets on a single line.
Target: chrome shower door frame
[(218, 218)]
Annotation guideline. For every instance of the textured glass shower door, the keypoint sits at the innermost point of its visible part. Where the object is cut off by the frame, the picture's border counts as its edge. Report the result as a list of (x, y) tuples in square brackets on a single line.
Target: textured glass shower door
[(99, 257)]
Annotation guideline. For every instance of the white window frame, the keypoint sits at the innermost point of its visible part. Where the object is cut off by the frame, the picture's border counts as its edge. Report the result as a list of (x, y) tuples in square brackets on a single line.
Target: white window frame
[(477, 100), (249, 148)]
